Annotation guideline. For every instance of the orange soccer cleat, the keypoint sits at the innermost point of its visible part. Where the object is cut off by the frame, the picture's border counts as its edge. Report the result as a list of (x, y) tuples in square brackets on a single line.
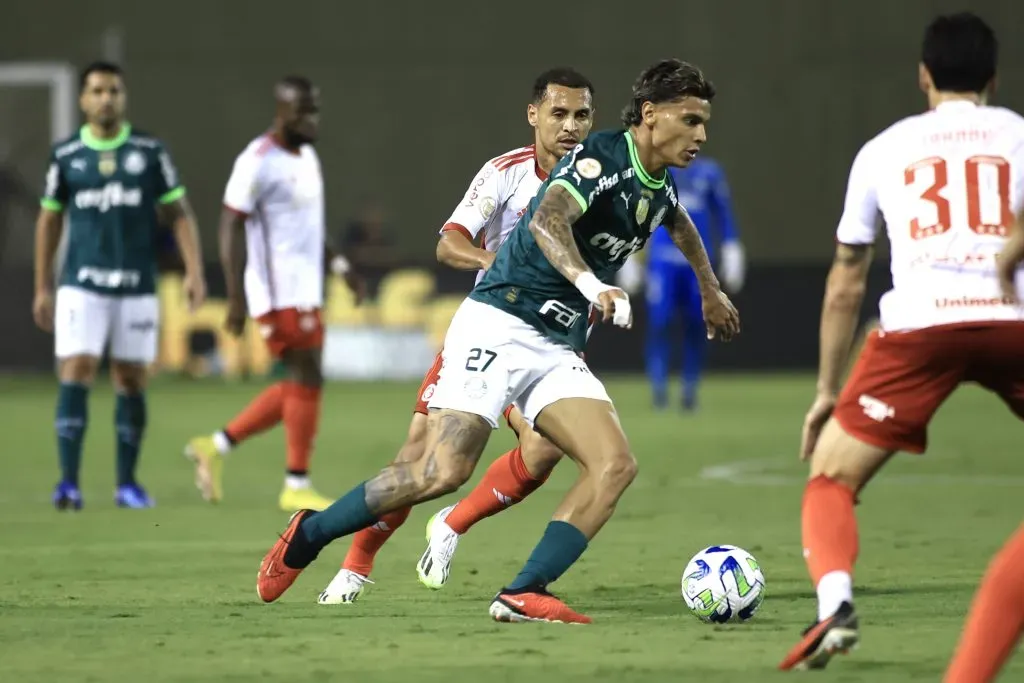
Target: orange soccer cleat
[(275, 576), (534, 606)]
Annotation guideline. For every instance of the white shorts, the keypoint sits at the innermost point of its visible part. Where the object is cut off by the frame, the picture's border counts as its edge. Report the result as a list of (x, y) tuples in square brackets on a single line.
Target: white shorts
[(85, 322), (491, 359)]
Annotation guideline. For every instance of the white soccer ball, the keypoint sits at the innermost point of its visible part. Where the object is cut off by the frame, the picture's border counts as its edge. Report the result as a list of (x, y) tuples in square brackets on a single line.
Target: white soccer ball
[(723, 583)]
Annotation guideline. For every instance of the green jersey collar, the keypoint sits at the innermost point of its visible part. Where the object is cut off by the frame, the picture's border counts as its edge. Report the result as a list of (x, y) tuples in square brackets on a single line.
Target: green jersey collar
[(93, 142), (641, 172)]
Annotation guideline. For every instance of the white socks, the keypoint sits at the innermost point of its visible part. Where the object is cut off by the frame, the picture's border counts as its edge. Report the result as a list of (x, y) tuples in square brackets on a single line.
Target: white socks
[(296, 481), (834, 589), (222, 442)]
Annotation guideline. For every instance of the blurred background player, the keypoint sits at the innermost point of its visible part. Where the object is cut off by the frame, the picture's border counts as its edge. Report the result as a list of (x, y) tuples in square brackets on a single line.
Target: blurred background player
[(116, 185), (671, 285), (273, 225), (949, 184), (561, 113)]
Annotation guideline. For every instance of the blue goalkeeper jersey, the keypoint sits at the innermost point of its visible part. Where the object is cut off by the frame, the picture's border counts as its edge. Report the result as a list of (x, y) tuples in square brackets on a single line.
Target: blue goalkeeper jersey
[(704, 193)]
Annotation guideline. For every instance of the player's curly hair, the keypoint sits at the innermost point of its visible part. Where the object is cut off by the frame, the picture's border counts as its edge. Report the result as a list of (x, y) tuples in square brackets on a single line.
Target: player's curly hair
[(960, 52), (665, 81)]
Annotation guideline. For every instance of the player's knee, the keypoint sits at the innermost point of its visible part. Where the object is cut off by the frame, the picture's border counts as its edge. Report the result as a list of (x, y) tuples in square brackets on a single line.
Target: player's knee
[(441, 475), (539, 454), (618, 470), (79, 369)]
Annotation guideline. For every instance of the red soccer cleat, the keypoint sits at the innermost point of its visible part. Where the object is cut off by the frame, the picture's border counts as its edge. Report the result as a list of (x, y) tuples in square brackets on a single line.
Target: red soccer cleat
[(836, 635), (274, 576), (534, 606)]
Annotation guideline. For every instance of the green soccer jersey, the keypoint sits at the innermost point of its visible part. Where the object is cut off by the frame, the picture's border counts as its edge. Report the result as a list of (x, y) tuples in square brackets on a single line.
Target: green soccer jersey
[(622, 204), (110, 191)]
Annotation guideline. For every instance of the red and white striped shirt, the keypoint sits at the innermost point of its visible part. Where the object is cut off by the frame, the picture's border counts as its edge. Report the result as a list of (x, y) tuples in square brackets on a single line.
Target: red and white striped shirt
[(497, 198)]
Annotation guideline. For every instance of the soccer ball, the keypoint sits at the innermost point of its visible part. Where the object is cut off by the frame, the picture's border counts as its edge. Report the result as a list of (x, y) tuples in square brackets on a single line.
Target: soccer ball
[(723, 583)]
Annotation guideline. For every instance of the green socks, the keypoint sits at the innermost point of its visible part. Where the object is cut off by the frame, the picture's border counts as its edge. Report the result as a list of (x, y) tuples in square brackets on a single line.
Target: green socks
[(72, 417), (130, 420), (559, 548)]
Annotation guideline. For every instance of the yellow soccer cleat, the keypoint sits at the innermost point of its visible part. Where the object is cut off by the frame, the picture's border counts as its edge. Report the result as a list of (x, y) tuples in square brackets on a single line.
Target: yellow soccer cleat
[(293, 499), (209, 467)]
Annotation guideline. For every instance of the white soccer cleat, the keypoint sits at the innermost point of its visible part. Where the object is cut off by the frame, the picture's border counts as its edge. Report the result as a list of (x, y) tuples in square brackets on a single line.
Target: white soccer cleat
[(436, 563), (344, 589)]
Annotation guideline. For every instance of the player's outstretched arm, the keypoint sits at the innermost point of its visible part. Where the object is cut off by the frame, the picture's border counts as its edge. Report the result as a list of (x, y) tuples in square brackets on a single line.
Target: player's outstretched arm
[(231, 238), (178, 214), (686, 236), (844, 293), (49, 226), (720, 317), (456, 251)]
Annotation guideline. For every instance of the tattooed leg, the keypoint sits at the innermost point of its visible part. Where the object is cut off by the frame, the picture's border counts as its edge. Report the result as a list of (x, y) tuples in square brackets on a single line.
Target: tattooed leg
[(455, 441)]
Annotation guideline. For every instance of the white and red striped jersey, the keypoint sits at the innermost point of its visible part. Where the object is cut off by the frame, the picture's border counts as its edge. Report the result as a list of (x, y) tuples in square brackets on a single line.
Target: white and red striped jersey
[(948, 184), (497, 197), (281, 195)]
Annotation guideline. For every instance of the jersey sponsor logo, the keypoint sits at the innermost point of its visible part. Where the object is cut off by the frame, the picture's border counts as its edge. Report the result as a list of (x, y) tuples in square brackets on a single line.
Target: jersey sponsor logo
[(616, 247), (167, 168), (135, 162), (589, 168), (562, 314), (108, 196), (104, 277), (478, 182), (659, 216), (428, 393), (52, 180)]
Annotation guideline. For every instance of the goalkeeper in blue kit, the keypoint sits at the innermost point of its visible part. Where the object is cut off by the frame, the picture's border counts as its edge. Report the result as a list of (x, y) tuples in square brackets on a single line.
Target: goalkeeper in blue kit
[(671, 285)]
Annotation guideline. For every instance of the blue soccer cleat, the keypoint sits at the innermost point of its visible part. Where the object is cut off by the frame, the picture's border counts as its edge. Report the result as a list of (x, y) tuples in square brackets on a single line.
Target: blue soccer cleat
[(67, 496), (133, 496)]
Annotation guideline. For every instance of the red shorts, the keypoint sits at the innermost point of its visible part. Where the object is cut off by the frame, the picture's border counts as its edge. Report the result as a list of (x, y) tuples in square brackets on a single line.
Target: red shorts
[(902, 378), (291, 328), (427, 390)]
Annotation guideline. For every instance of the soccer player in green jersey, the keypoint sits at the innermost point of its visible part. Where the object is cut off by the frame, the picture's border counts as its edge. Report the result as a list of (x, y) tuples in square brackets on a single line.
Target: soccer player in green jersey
[(517, 338), (115, 185)]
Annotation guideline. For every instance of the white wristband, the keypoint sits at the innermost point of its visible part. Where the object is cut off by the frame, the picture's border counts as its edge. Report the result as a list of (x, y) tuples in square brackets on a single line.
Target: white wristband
[(590, 286), (340, 266)]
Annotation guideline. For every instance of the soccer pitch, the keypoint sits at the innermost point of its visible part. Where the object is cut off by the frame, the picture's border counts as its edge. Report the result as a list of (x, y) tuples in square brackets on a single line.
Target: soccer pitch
[(169, 594)]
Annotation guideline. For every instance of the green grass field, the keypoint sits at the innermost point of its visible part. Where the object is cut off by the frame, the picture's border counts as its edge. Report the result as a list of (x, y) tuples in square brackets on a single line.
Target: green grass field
[(169, 594)]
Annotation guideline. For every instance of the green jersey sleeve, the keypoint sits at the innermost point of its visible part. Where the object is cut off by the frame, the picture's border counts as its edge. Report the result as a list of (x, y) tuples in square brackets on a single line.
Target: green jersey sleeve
[(583, 171), (55, 189), (168, 184)]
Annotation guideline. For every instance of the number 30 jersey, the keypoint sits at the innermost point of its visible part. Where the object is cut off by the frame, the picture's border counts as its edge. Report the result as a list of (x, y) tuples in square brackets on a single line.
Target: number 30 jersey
[(948, 184), (622, 204)]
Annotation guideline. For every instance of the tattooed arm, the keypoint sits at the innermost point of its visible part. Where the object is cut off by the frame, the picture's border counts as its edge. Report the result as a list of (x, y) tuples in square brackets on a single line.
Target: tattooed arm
[(552, 228), (684, 233), (844, 292)]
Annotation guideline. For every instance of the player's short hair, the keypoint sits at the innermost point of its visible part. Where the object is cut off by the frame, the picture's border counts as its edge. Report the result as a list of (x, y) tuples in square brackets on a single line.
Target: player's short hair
[(666, 81), (564, 76), (960, 52), (300, 83), (98, 67)]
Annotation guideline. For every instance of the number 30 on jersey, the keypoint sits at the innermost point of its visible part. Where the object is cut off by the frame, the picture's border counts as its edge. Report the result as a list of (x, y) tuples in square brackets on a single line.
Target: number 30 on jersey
[(988, 209)]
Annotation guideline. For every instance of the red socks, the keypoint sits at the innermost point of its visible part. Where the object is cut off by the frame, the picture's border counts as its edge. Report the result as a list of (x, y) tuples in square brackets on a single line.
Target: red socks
[(506, 482), (996, 619)]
